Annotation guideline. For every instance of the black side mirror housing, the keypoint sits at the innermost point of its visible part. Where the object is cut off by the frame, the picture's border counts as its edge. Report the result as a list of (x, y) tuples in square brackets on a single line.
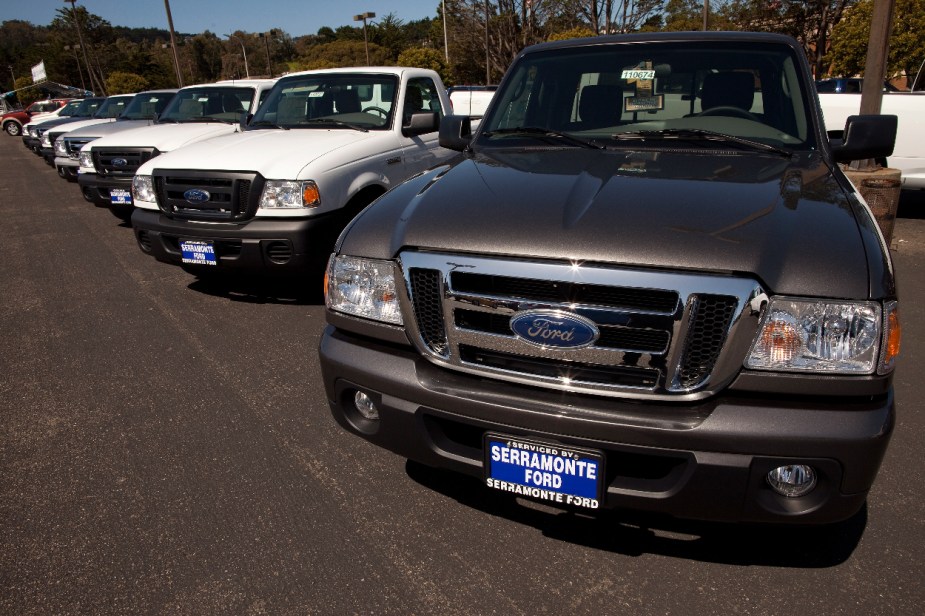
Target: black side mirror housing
[(421, 123), (455, 132), (866, 136)]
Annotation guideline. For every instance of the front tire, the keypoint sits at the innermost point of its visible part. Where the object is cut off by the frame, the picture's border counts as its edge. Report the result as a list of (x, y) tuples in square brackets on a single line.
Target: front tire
[(12, 129)]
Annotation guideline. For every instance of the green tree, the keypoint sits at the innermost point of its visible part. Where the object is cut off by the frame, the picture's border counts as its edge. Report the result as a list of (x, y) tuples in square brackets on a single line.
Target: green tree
[(848, 54), (423, 57), (125, 83), (571, 33)]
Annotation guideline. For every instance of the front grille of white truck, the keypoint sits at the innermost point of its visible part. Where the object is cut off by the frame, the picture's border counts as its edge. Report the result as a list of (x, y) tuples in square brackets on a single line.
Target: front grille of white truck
[(659, 334), (121, 162), (230, 196)]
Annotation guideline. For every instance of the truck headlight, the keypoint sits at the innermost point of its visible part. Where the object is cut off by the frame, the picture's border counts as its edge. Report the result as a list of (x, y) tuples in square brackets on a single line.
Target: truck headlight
[(143, 188), (86, 161), (290, 194), (821, 336), (46, 140), (363, 288), (60, 148), (33, 131)]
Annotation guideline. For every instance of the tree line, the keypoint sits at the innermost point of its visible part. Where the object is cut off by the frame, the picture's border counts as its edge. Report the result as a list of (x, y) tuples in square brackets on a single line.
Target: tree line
[(473, 44)]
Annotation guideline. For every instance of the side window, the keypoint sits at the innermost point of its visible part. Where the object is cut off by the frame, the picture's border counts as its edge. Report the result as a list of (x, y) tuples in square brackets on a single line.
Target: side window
[(422, 95)]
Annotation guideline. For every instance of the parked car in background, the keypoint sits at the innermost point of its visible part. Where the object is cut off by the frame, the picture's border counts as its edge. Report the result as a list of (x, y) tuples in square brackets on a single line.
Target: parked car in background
[(471, 101), (194, 114), (272, 199), (847, 85), (31, 135), (141, 111), (108, 111), (13, 121)]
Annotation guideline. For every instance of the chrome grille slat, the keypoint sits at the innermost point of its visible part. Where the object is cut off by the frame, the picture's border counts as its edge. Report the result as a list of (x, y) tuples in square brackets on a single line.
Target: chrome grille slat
[(661, 333)]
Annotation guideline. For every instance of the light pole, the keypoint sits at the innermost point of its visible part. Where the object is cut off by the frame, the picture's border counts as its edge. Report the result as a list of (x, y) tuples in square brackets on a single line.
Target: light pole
[(446, 40), (77, 60), (363, 18), (266, 43), (13, 75), (243, 51), (173, 44)]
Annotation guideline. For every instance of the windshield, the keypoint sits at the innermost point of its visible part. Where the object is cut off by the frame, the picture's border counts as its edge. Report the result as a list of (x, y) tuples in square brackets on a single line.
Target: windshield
[(660, 95), (112, 107), (214, 104), (70, 109), (329, 100), (146, 105), (87, 107)]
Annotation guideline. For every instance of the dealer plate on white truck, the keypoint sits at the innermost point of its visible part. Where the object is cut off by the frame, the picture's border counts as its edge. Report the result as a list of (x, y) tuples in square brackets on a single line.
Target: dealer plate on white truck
[(120, 196), (544, 471), (198, 252)]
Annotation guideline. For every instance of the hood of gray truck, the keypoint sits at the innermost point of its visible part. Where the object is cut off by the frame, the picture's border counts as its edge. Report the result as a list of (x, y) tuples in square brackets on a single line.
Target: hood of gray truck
[(784, 221)]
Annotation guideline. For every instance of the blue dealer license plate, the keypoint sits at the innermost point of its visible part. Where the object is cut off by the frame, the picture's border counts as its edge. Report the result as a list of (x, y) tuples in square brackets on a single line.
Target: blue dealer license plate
[(544, 471), (120, 196), (198, 252)]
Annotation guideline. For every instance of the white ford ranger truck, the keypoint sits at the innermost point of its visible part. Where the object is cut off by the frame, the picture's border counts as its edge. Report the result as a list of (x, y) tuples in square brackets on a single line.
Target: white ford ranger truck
[(196, 113), (272, 198)]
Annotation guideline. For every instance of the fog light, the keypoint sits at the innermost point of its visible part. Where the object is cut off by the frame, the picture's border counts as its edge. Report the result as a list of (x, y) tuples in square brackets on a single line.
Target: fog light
[(365, 405), (793, 480)]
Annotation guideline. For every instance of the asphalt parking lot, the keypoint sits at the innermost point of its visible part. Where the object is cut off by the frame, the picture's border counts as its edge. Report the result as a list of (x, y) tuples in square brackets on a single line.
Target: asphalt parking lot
[(166, 448)]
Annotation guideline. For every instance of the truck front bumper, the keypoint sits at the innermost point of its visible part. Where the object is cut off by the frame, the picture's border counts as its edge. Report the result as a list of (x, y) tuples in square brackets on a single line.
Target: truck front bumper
[(97, 189), (706, 460), (67, 168), (265, 245)]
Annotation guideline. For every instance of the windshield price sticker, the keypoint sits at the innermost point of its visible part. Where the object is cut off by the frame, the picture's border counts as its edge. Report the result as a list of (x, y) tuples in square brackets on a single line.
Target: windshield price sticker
[(641, 74), (644, 103), (120, 196), (543, 471), (198, 253)]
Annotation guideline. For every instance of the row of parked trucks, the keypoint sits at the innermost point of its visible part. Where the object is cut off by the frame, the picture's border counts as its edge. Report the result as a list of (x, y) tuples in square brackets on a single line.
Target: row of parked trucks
[(640, 281)]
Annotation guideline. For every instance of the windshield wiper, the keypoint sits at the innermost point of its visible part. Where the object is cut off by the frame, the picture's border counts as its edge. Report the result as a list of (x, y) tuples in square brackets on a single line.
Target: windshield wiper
[(266, 123), (542, 132), (696, 134), (338, 123)]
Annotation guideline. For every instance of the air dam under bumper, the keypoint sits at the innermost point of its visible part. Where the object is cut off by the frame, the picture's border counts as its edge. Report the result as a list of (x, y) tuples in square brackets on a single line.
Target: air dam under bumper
[(266, 245), (96, 188), (704, 460)]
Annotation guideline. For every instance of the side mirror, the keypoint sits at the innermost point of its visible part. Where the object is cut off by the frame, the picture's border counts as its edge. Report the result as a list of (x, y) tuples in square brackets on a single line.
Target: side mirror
[(866, 136), (421, 123), (455, 132), (243, 120)]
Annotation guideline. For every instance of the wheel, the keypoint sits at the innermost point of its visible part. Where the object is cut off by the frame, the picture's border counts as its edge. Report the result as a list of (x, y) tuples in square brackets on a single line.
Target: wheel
[(728, 110), (12, 129), (378, 110)]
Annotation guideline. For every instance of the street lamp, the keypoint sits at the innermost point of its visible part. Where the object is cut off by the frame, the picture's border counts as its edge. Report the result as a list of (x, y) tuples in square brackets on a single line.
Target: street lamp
[(243, 51), (266, 43), (363, 18)]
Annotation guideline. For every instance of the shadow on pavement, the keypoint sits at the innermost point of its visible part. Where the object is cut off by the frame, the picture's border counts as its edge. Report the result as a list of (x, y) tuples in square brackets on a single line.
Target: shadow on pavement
[(634, 534), (302, 290)]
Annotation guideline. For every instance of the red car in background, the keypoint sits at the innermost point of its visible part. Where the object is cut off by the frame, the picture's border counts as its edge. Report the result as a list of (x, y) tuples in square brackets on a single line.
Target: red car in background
[(13, 121)]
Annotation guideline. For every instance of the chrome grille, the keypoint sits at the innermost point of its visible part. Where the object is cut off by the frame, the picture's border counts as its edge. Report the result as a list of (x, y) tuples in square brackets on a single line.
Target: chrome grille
[(662, 335)]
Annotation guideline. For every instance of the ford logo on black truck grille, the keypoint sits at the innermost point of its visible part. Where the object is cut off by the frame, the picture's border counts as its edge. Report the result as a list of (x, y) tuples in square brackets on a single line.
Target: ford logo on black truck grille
[(195, 195), (554, 328), (119, 162)]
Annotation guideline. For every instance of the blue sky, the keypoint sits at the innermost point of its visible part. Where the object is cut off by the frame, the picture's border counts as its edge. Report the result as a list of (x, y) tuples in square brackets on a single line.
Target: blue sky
[(296, 17)]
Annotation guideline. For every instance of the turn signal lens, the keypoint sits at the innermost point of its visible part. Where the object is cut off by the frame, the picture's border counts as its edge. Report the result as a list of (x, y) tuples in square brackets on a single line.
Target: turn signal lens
[(891, 338)]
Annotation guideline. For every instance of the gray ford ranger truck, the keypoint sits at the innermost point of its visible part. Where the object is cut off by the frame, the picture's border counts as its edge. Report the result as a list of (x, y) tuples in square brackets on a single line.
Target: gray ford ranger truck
[(644, 283)]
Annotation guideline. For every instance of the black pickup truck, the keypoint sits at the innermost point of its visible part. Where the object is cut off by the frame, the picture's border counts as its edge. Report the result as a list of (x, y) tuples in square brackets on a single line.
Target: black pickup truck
[(643, 283)]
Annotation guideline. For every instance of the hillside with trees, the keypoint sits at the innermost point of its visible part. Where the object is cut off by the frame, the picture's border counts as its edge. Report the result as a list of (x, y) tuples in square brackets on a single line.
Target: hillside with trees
[(480, 40)]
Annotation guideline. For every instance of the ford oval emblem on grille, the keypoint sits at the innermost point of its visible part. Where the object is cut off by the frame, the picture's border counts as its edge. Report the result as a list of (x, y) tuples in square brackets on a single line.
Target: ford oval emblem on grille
[(119, 162), (194, 195), (554, 328)]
